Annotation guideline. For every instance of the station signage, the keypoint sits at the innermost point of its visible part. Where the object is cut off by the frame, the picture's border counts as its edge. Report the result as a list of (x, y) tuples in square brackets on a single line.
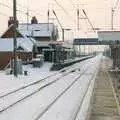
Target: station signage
[(85, 41)]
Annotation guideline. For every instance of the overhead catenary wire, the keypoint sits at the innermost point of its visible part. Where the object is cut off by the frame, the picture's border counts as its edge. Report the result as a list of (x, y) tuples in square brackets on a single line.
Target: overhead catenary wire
[(5, 5), (3, 14), (26, 7), (60, 25), (65, 11), (24, 12), (78, 15), (116, 5), (113, 10), (88, 20), (71, 1), (6, 15), (77, 9), (20, 11), (57, 19)]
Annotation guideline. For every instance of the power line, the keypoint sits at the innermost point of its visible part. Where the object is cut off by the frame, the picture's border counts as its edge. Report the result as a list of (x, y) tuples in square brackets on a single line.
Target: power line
[(117, 2), (74, 6), (11, 8), (67, 13), (77, 8), (3, 14), (64, 10), (6, 15), (72, 3), (26, 7), (57, 19), (88, 20), (18, 10), (5, 5)]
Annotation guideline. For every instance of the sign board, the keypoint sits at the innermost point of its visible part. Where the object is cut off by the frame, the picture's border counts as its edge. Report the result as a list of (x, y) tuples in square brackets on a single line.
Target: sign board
[(85, 41), (108, 35)]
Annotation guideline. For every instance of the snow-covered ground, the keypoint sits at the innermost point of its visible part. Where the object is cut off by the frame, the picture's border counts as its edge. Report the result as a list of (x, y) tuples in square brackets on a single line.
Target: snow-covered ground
[(58, 101), (9, 82)]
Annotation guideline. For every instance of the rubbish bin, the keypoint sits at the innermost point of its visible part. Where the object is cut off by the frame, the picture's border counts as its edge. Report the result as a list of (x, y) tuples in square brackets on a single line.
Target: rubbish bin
[(11, 72), (25, 73)]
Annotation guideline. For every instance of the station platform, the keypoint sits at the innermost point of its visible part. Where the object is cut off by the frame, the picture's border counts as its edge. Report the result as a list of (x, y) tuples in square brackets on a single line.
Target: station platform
[(66, 63), (104, 102)]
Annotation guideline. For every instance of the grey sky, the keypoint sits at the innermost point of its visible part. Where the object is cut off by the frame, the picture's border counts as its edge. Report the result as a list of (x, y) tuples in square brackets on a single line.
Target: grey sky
[(99, 12)]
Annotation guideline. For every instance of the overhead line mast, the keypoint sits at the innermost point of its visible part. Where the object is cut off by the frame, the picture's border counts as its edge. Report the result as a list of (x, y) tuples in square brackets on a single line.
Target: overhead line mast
[(65, 11), (63, 29), (88, 20), (60, 25), (112, 14), (78, 16)]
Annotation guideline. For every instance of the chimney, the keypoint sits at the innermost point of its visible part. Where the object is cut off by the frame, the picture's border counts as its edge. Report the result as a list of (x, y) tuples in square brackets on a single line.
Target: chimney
[(34, 20), (11, 21)]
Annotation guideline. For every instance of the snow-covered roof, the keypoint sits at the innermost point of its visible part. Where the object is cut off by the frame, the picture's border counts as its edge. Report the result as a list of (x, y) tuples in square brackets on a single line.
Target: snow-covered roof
[(47, 43), (6, 44), (40, 29)]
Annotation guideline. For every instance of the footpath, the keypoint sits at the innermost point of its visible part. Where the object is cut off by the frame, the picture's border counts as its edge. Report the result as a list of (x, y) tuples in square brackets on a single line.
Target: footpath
[(104, 104)]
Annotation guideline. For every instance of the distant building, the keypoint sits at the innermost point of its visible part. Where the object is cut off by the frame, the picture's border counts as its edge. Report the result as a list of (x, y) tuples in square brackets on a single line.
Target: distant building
[(113, 39), (38, 31), (24, 50), (109, 36), (32, 39)]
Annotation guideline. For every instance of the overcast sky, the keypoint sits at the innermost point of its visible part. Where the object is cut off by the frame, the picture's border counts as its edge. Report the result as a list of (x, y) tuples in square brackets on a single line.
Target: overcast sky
[(99, 12)]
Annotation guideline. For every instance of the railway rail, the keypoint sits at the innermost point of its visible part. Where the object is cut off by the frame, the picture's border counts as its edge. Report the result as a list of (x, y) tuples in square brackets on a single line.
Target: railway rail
[(39, 90), (81, 98), (38, 81), (37, 87), (58, 97)]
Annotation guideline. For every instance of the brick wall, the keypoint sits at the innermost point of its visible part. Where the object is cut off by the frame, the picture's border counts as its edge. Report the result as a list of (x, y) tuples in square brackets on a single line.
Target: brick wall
[(6, 56)]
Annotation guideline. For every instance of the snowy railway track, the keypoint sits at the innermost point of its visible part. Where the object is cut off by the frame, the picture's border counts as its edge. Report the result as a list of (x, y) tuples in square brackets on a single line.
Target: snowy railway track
[(39, 101), (65, 91), (68, 69), (81, 110), (36, 87)]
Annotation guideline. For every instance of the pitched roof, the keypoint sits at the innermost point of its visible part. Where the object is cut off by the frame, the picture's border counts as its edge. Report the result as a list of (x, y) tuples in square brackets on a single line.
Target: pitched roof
[(40, 29), (9, 33)]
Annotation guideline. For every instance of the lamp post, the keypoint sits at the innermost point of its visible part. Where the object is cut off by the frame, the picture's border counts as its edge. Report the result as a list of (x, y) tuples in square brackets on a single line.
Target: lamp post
[(63, 32), (15, 37)]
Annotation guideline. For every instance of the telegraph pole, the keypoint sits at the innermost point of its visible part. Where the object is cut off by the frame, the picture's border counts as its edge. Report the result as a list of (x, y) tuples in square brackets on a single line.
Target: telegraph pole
[(15, 37), (112, 15), (27, 14), (27, 17)]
